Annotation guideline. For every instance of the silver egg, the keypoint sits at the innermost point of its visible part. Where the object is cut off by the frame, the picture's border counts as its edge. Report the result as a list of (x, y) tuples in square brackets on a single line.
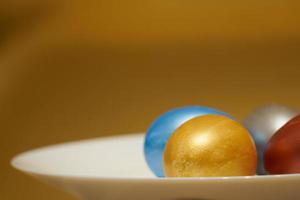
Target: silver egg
[(263, 123)]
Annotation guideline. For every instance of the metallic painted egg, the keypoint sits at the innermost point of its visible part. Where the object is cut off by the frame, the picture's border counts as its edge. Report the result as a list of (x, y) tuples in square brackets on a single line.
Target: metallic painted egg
[(263, 123), (282, 154), (160, 131), (210, 145)]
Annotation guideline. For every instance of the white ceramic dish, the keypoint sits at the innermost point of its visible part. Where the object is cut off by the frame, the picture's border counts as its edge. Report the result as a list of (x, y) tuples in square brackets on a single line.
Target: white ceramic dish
[(114, 168)]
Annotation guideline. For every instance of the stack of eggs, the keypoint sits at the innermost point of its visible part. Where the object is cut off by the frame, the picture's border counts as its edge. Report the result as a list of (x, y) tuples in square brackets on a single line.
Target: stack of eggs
[(198, 141)]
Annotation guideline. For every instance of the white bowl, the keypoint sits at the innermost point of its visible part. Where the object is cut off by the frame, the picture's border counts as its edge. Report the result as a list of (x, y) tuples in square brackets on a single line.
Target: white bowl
[(114, 168)]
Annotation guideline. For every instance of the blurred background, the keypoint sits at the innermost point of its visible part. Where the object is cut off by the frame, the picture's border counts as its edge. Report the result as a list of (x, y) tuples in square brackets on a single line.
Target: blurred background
[(73, 70)]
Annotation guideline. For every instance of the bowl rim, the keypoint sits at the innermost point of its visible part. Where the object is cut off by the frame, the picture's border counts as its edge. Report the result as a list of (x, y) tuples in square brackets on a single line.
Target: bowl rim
[(17, 163)]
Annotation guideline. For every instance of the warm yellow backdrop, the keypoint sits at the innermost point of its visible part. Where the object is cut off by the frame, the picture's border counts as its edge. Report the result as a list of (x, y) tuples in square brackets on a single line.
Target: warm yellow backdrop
[(79, 69)]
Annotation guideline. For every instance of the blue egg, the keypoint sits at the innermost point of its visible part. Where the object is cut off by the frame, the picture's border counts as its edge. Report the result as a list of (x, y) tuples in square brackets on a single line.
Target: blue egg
[(162, 128)]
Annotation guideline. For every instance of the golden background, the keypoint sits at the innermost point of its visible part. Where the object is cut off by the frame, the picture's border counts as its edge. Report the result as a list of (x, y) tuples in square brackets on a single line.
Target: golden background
[(72, 70)]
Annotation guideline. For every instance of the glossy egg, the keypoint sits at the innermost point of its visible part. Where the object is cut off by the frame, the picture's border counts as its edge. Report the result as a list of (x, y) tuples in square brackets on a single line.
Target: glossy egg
[(282, 155), (210, 145), (160, 131), (263, 123)]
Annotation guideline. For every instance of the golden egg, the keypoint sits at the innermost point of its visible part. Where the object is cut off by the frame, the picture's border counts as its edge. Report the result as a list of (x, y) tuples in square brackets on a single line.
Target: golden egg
[(210, 145)]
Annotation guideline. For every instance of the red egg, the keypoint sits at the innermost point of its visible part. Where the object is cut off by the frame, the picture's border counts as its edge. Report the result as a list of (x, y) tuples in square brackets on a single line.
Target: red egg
[(282, 155)]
